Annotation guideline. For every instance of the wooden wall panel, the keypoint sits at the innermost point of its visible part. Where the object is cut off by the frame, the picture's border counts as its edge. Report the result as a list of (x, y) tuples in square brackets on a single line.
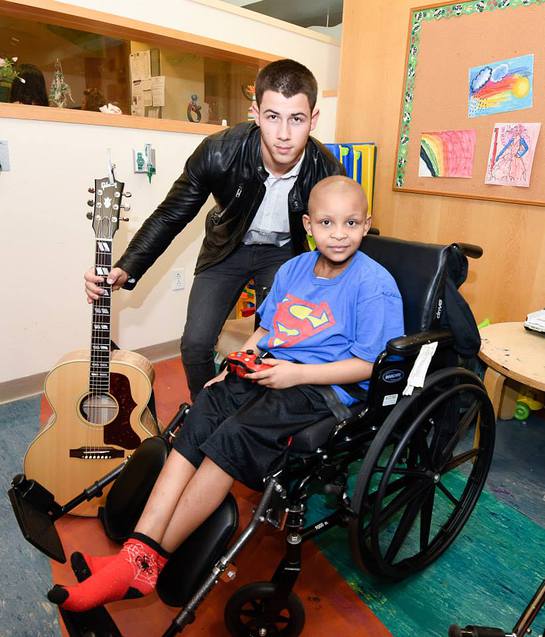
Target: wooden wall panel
[(509, 280)]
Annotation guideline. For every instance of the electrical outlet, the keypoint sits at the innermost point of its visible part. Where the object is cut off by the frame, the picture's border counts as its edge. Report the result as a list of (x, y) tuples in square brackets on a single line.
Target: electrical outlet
[(178, 279)]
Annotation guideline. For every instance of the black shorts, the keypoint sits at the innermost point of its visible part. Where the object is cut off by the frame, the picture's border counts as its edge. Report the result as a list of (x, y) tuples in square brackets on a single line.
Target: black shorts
[(245, 428)]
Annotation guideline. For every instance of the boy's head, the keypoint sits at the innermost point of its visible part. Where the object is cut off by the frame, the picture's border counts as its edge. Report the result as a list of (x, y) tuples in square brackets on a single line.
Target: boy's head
[(337, 217), (285, 112)]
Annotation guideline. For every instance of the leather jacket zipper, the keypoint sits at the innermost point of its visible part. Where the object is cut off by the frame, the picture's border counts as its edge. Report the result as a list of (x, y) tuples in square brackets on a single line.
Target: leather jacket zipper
[(218, 216)]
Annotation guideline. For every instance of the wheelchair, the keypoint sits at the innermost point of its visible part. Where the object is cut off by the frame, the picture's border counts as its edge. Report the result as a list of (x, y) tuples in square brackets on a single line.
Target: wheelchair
[(402, 473)]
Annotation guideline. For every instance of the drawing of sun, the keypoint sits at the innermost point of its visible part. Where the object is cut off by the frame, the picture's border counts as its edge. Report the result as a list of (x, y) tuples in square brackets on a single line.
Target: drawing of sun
[(521, 87)]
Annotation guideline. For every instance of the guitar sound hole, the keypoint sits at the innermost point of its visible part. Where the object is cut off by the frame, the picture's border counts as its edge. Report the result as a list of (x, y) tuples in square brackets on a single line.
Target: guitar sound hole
[(98, 409)]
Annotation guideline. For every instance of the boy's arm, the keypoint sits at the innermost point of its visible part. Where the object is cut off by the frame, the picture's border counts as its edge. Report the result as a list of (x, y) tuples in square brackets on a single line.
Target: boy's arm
[(283, 374), (254, 339)]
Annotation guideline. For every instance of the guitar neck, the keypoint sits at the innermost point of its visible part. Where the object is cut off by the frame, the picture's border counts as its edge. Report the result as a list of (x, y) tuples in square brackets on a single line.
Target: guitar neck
[(99, 372)]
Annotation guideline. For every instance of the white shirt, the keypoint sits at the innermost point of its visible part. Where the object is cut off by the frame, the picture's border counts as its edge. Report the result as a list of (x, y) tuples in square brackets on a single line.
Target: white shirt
[(271, 223)]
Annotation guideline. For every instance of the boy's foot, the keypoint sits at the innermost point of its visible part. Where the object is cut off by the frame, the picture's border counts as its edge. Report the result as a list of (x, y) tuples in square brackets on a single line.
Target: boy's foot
[(131, 573)]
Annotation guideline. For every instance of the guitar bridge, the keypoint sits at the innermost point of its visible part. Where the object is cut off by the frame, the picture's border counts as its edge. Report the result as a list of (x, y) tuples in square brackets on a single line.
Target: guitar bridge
[(97, 453)]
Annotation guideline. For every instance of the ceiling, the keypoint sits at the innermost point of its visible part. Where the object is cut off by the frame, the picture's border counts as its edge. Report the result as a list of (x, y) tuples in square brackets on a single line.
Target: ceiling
[(305, 13)]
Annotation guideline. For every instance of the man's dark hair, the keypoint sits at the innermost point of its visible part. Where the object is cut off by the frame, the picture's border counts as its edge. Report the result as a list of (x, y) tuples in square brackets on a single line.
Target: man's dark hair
[(289, 78), (32, 90)]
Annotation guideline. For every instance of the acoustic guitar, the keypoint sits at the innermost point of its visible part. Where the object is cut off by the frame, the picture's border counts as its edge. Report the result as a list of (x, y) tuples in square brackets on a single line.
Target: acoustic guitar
[(99, 397)]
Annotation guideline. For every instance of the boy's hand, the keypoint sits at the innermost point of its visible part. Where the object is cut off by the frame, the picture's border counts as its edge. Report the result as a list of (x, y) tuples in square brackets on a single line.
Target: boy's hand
[(217, 378), (282, 374)]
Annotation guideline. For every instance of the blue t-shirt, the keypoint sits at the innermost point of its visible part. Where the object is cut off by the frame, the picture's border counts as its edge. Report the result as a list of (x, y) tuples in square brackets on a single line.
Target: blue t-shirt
[(316, 320)]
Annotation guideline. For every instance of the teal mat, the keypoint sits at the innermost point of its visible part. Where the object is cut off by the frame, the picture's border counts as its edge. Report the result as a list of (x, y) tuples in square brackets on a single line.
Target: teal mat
[(26, 574), (486, 577)]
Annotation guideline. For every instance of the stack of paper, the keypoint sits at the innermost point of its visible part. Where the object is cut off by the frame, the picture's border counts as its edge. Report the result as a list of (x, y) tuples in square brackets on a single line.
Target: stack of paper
[(535, 321)]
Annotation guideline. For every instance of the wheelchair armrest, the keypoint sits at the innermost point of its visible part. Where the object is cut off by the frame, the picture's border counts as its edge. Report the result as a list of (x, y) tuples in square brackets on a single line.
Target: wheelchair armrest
[(410, 345), (470, 250)]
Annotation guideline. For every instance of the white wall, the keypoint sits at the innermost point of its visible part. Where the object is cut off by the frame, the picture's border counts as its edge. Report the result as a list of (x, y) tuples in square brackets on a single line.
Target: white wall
[(47, 242)]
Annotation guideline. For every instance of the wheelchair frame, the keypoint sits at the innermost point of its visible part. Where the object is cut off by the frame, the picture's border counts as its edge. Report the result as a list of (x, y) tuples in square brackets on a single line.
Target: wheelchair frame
[(446, 425)]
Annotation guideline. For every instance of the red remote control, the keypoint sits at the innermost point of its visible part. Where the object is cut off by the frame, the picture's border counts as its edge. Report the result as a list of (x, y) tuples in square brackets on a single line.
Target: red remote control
[(242, 363)]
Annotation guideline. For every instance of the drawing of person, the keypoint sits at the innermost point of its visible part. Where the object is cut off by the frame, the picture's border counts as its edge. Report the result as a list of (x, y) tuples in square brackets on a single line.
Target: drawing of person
[(509, 164)]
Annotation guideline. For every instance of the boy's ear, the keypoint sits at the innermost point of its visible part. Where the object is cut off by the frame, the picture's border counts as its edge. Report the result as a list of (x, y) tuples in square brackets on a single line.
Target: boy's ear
[(367, 225), (306, 224)]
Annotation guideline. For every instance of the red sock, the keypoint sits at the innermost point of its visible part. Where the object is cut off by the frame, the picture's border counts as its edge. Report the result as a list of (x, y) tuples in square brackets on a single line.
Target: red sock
[(131, 573)]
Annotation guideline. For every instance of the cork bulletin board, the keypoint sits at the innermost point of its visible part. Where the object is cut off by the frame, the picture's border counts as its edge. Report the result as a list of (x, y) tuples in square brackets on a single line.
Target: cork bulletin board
[(444, 43)]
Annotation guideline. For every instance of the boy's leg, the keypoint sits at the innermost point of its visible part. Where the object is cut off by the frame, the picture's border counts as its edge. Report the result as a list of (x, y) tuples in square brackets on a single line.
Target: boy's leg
[(205, 492)]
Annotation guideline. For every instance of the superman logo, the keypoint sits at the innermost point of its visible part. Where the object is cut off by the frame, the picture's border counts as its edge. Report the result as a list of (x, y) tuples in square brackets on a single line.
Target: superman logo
[(296, 320)]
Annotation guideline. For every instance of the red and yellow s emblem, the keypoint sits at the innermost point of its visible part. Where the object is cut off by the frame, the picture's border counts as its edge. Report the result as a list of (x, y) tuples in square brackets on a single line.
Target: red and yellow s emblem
[(296, 320)]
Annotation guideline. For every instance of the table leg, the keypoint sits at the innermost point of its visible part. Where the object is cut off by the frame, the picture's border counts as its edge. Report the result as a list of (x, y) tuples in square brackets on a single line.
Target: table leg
[(493, 382), (508, 401)]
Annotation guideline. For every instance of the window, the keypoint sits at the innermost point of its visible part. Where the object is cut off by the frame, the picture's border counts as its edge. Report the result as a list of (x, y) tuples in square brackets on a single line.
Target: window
[(146, 74)]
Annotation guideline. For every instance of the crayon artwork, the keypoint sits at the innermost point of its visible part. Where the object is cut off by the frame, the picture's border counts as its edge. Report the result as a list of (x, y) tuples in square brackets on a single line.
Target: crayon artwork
[(511, 154), (502, 86), (447, 153)]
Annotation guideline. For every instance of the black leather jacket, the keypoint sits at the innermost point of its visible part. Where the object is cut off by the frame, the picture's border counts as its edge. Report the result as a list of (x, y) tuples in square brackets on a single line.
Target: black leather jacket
[(227, 165)]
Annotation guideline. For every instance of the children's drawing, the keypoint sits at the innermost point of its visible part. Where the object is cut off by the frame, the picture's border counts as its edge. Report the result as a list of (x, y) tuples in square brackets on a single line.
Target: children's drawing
[(447, 153), (511, 154), (502, 86)]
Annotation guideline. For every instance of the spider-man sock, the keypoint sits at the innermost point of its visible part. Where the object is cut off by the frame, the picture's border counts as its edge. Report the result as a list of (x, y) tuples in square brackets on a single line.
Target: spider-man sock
[(132, 573)]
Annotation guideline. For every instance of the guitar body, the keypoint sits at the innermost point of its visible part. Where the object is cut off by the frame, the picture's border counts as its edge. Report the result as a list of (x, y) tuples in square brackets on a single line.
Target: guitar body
[(89, 433)]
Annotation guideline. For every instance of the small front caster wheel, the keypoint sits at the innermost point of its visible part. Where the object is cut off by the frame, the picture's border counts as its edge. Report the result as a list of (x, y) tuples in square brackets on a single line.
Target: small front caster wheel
[(256, 610)]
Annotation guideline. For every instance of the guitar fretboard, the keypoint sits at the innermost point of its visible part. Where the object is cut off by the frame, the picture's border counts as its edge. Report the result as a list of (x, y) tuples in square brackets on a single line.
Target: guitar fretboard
[(99, 373)]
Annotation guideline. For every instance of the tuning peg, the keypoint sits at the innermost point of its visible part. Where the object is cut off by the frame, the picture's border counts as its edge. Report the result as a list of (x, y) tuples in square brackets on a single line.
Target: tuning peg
[(90, 202), (127, 194), (125, 207), (89, 215), (123, 219), (91, 190)]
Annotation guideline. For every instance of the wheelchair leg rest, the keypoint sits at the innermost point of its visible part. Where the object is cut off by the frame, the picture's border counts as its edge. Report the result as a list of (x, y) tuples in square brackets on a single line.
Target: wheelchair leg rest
[(187, 615), (288, 570), (93, 622)]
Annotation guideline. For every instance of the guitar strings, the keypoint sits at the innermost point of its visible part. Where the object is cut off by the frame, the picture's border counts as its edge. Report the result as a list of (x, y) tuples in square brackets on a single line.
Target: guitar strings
[(99, 379)]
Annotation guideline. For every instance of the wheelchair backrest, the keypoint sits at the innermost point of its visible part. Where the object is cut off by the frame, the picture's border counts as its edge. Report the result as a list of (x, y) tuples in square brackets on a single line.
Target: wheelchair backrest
[(420, 271)]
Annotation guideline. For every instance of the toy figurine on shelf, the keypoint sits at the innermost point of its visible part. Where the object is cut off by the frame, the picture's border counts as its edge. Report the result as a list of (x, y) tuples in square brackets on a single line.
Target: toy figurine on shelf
[(59, 93), (194, 110), (249, 93)]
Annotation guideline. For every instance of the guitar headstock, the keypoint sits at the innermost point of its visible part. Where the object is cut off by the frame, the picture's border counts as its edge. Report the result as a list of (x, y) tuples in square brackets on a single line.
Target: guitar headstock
[(107, 207)]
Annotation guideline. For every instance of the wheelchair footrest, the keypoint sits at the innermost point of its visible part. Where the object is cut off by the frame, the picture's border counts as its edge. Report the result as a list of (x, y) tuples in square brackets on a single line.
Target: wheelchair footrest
[(93, 623), (36, 510)]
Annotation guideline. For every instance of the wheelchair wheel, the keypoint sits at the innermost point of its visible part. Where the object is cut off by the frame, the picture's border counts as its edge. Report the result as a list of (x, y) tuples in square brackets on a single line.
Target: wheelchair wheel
[(422, 475), (255, 610)]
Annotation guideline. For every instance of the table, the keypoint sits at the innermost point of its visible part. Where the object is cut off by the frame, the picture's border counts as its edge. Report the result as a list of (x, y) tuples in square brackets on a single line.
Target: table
[(512, 352)]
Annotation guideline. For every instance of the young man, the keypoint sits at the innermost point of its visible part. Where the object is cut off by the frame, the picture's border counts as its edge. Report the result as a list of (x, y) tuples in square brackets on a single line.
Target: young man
[(326, 319), (260, 176)]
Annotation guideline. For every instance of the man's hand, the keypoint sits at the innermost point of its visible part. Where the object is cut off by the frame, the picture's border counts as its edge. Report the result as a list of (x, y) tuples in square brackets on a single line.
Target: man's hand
[(282, 374), (217, 378), (117, 279)]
